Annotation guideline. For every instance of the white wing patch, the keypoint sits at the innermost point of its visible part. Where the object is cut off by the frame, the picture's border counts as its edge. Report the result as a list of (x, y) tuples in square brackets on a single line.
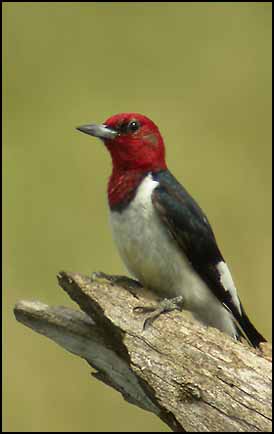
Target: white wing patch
[(228, 284)]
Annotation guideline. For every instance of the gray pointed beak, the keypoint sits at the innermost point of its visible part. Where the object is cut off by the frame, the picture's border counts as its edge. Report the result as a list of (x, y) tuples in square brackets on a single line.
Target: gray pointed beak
[(101, 131)]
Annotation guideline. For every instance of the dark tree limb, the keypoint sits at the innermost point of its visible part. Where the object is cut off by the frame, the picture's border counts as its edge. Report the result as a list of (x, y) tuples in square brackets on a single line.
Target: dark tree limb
[(194, 378)]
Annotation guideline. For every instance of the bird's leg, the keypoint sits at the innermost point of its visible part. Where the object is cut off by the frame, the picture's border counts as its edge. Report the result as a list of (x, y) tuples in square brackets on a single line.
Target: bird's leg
[(164, 306)]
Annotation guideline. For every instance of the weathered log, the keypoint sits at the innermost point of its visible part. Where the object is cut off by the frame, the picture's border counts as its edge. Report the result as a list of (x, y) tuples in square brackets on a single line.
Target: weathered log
[(194, 378)]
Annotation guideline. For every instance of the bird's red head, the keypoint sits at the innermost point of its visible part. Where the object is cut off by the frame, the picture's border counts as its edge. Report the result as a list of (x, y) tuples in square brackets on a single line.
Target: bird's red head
[(133, 140), (136, 147), (138, 144)]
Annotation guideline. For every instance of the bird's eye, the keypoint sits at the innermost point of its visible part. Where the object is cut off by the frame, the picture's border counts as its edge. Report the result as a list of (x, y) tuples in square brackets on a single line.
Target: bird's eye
[(133, 126), (127, 127)]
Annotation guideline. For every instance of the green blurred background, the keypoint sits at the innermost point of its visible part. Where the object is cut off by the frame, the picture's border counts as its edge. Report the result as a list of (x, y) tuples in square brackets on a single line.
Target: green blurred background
[(202, 72)]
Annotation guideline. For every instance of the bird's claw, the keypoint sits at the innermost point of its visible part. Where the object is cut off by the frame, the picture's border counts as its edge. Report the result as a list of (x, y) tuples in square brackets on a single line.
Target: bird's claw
[(166, 305)]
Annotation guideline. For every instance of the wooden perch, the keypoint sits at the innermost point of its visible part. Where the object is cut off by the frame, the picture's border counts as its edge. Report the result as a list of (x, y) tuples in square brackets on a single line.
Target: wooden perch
[(193, 378)]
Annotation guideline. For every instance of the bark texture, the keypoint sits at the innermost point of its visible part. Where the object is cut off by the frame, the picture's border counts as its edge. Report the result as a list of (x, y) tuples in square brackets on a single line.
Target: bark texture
[(194, 378)]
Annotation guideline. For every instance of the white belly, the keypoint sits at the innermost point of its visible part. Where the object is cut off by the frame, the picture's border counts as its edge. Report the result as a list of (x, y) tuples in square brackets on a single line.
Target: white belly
[(153, 257)]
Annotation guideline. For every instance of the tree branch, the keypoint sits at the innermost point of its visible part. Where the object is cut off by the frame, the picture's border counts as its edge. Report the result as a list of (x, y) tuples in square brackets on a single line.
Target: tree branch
[(193, 378)]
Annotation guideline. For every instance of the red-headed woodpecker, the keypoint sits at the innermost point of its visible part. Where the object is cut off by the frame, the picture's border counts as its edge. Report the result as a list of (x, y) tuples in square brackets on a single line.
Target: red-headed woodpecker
[(163, 236)]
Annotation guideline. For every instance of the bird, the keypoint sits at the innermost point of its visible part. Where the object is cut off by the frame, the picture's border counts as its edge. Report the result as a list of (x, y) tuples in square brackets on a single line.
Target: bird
[(164, 238)]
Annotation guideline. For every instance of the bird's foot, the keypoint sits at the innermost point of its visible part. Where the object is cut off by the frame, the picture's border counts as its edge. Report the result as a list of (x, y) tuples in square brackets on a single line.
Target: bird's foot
[(124, 281), (164, 306)]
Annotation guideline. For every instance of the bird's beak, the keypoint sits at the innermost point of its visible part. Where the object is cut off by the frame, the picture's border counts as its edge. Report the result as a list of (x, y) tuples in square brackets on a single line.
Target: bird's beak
[(101, 131)]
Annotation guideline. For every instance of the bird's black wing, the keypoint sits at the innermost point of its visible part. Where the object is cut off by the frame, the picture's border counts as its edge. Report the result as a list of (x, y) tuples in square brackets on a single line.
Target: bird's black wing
[(191, 230)]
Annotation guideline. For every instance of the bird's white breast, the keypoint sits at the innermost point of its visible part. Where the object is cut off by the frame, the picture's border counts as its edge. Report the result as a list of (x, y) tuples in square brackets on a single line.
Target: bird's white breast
[(152, 256)]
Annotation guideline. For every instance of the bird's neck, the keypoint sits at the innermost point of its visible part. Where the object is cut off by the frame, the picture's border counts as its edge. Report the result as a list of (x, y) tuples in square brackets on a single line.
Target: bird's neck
[(122, 187)]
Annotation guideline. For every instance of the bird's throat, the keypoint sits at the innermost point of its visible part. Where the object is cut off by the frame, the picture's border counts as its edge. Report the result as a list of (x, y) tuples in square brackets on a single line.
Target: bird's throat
[(122, 187)]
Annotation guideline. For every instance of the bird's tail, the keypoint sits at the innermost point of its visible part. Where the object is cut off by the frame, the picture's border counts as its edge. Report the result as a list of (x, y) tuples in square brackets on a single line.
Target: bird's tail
[(247, 329)]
